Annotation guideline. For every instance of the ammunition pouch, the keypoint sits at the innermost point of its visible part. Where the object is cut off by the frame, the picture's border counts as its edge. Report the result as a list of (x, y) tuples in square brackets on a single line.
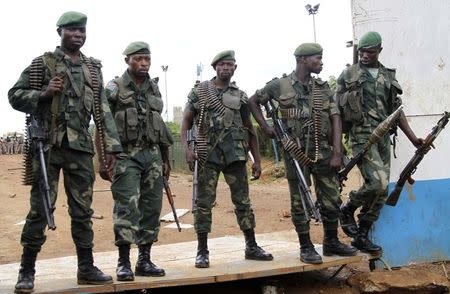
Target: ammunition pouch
[(351, 109), (232, 105)]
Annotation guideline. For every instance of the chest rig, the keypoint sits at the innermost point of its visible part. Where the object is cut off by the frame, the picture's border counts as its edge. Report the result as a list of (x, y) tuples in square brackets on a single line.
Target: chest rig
[(138, 114), (301, 114), (48, 66), (218, 111)]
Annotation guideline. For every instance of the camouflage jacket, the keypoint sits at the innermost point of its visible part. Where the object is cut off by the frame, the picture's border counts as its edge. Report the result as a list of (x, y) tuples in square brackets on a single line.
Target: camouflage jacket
[(365, 100), (137, 112), (227, 137), (75, 105), (296, 98)]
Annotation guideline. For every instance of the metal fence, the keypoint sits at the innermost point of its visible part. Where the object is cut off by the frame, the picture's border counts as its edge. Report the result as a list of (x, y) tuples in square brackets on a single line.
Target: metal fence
[(176, 156)]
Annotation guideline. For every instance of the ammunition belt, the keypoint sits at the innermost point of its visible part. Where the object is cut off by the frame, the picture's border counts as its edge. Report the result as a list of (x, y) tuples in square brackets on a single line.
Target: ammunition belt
[(97, 109), (317, 100), (296, 113), (202, 142), (36, 80)]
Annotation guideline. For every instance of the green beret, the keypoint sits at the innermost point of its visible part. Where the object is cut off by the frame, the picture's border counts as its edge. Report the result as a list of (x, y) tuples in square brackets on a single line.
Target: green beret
[(307, 49), (72, 18), (227, 54), (137, 48), (369, 39)]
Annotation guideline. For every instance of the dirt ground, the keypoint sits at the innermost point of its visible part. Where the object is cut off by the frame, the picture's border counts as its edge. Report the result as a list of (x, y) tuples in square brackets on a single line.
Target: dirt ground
[(269, 197)]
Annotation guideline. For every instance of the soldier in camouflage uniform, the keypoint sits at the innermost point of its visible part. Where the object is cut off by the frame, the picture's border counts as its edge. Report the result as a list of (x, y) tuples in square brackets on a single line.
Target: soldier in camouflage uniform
[(137, 186), (67, 82), (367, 94), (229, 137), (294, 94)]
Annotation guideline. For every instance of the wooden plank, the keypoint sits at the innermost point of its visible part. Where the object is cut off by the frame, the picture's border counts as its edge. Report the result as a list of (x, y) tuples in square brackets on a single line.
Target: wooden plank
[(58, 275)]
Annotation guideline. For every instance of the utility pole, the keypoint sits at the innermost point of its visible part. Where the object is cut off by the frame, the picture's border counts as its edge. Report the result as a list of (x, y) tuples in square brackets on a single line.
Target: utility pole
[(199, 71), (313, 10), (164, 68)]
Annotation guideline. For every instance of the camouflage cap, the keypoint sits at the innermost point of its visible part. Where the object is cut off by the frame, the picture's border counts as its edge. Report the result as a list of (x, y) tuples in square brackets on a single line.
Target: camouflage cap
[(307, 49), (227, 54), (72, 18), (369, 39), (137, 47)]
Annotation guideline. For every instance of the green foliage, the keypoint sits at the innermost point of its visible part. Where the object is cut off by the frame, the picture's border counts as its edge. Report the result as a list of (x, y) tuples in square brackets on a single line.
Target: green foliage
[(174, 128), (332, 82)]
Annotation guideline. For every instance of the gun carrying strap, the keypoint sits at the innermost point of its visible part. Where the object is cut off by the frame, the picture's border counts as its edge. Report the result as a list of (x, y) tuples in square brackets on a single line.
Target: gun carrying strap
[(97, 108)]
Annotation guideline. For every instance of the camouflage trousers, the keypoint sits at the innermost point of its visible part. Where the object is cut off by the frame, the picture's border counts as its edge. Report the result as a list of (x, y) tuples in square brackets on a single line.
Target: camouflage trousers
[(78, 171), (137, 190), (236, 177), (327, 193), (374, 167)]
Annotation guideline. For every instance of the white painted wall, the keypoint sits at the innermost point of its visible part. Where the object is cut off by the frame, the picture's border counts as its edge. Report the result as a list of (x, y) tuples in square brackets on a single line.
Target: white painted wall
[(416, 41)]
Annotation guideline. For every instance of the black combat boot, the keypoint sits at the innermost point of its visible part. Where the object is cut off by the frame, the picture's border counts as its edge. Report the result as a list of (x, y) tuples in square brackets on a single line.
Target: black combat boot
[(332, 245), (202, 259), (252, 250), (308, 253), (362, 242), (88, 273), (348, 222), (144, 266), (123, 270), (25, 281)]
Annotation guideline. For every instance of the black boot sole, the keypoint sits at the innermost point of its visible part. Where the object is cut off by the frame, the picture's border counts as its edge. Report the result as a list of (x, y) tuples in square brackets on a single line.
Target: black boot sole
[(85, 282), (312, 261), (126, 278), (262, 258), (23, 291), (331, 253), (143, 274), (202, 265)]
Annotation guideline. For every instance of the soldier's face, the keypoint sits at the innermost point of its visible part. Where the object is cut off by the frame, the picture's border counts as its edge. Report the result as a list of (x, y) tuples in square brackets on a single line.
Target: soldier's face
[(369, 57), (225, 68), (314, 63), (139, 64), (72, 38)]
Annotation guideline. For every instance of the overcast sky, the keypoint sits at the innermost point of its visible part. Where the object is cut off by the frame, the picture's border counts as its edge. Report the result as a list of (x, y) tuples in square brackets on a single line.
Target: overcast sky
[(181, 34)]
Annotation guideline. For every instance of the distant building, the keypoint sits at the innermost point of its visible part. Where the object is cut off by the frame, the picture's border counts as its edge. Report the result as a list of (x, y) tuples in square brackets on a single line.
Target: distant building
[(177, 114)]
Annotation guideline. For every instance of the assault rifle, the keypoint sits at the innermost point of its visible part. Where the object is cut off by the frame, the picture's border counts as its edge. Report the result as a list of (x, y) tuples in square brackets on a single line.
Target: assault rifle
[(36, 133), (411, 167), (283, 136), (191, 141), (171, 202), (380, 131)]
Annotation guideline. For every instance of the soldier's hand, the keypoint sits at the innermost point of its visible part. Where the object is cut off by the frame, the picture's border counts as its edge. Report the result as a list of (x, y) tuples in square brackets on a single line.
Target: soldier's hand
[(270, 131), (191, 157), (419, 142), (166, 169), (256, 171), (336, 162), (56, 85)]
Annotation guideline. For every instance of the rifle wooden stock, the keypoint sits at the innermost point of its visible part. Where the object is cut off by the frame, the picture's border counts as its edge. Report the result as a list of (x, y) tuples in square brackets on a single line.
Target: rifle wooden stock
[(171, 202), (380, 131), (419, 154), (343, 173)]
